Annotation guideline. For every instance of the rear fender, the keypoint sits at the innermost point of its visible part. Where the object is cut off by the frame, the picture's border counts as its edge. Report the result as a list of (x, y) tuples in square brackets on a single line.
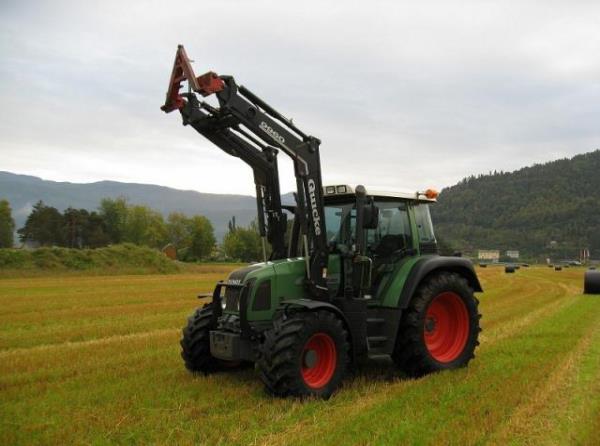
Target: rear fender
[(432, 265)]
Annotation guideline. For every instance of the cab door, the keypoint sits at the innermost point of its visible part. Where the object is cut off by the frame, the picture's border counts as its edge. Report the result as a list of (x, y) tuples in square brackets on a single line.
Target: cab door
[(393, 236), (391, 242)]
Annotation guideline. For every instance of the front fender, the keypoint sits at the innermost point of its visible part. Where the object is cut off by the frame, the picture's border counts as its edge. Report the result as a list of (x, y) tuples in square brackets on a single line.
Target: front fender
[(314, 305)]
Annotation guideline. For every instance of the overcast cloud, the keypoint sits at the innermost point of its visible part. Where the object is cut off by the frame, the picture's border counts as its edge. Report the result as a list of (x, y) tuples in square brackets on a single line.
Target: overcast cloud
[(402, 94)]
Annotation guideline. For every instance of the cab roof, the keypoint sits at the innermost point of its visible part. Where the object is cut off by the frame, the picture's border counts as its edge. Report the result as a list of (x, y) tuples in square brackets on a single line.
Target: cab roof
[(340, 190)]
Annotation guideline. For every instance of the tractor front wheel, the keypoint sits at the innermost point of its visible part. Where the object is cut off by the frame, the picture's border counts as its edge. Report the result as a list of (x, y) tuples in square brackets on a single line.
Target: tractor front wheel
[(304, 354), (440, 328), (195, 343)]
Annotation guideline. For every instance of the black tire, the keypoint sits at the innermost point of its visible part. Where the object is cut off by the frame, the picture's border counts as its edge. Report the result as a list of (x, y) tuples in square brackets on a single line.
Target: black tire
[(281, 356), (482, 265), (412, 354), (558, 268), (509, 269), (195, 343)]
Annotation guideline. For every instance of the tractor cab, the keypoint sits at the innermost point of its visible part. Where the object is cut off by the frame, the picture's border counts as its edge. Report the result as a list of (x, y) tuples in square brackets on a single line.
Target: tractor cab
[(397, 226), (403, 225)]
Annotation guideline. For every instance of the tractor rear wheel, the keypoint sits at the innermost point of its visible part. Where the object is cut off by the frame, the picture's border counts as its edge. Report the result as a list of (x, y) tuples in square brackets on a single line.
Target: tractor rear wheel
[(440, 327), (195, 343), (304, 354)]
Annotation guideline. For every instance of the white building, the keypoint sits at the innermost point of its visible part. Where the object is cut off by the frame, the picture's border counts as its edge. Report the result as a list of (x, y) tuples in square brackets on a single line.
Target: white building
[(492, 255)]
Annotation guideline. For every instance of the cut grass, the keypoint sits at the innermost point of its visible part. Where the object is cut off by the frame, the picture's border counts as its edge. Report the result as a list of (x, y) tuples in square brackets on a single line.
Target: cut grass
[(96, 360)]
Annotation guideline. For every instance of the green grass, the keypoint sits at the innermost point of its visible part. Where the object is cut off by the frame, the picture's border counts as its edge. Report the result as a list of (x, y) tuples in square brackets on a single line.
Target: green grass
[(121, 259), (95, 360)]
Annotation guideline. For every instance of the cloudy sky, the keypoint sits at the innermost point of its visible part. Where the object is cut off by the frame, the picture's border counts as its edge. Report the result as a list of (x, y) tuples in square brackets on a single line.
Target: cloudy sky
[(402, 94)]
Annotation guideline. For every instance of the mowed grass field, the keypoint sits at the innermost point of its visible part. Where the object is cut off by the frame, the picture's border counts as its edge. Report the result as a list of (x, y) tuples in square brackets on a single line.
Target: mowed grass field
[(95, 360)]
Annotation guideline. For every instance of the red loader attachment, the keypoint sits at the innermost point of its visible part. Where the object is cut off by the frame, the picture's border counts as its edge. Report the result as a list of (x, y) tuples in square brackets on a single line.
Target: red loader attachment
[(206, 84)]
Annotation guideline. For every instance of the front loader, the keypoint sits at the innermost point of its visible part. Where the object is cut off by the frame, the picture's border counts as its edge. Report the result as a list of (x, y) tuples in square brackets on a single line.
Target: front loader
[(357, 277)]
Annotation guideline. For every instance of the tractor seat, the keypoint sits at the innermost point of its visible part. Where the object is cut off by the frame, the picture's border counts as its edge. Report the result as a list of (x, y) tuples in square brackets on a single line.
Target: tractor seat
[(389, 244)]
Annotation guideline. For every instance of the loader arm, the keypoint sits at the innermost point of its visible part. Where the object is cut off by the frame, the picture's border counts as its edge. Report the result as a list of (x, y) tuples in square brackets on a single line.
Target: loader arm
[(247, 127), (272, 221)]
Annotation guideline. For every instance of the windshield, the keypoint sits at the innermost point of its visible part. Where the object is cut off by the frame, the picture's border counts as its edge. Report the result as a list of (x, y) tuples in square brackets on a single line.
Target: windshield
[(340, 220)]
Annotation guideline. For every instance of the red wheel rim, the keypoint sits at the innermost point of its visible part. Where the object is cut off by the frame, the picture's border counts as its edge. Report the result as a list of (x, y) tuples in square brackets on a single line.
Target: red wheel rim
[(446, 327), (319, 358)]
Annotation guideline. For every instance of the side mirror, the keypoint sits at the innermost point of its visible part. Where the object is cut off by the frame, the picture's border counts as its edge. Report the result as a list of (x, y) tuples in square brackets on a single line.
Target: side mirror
[(370, 216)]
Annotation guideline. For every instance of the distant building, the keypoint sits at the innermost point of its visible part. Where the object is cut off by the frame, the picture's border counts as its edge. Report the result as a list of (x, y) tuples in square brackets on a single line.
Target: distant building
[(489, 254), (170, 251), (512, 254)]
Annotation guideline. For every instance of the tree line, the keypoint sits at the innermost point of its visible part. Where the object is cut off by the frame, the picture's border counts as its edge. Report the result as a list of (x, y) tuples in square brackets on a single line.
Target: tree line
[(117, 221)]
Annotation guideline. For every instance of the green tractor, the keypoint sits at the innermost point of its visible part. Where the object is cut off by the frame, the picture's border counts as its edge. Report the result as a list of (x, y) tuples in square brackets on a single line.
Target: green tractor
[(357, 277)]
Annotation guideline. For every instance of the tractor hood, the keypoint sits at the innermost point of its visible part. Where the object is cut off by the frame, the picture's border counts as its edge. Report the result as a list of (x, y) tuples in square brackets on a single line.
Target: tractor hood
[(239, 275), (270, 282), (274, 281), (266, 270)]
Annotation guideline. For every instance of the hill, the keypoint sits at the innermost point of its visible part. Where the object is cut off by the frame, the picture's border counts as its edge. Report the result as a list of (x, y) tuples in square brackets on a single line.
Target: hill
[(115, 259), (550, 209), (23, 191)]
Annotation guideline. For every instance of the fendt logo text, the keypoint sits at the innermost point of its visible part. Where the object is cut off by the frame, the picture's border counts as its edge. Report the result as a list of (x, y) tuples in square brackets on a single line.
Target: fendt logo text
[(272, 133)]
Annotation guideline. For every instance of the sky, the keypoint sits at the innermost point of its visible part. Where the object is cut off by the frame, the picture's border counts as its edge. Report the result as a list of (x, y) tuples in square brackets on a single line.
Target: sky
[(403, 95)]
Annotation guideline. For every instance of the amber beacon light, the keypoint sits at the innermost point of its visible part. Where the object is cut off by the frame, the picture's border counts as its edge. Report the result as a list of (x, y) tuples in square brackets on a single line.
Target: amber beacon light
[(431, 194)]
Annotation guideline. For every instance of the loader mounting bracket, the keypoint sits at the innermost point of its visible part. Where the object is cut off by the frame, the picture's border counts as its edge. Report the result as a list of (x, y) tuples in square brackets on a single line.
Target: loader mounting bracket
[(205, 84)]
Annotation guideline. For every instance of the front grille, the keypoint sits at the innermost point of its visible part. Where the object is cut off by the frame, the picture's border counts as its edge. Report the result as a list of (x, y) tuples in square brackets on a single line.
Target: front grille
[(232, 298)]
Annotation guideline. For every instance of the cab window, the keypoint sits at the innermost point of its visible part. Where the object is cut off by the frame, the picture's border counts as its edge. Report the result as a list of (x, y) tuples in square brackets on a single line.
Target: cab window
[(424, 225)]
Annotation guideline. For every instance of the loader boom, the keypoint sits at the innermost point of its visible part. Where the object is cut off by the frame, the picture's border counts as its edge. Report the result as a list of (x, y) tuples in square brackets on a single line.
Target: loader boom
[(247, 127)]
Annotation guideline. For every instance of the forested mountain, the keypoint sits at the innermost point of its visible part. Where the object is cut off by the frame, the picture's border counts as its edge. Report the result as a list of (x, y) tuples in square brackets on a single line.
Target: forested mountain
[(23, 191), (550, 209)]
